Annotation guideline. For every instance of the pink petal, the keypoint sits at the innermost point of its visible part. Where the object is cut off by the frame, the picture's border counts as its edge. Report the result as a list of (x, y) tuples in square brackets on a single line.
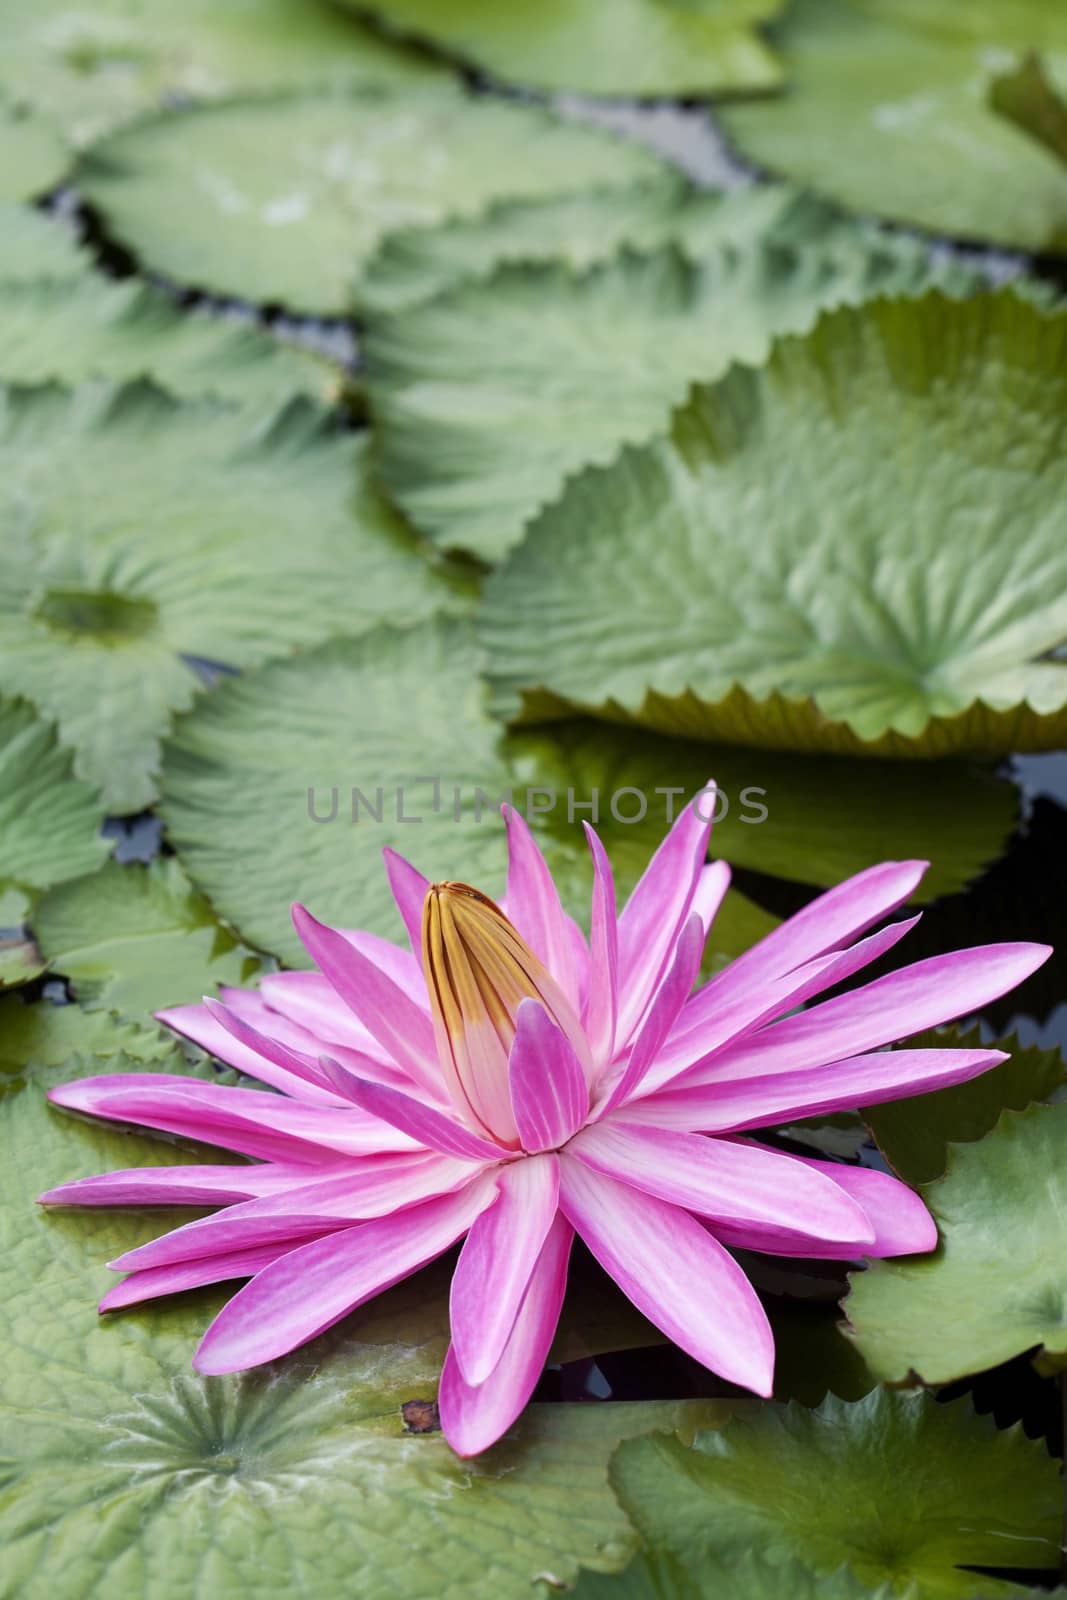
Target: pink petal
[(674, 1272), (474, 1418), (549, 1096), (306, 1000), (409, 891), (656, 910), (203, 1028), (497, 1262), (902, 1225), (828, 922), (534, 907), (920, 996), (436, 1129), (372, 1188), (736, 1181), (177, 1186), (712, 884), (401, 967), (402, 1028), (291, 1063), (194, 1274), (311, 1288), (251, 1121), (602, 1001), (860, 1081), (663, 1013)]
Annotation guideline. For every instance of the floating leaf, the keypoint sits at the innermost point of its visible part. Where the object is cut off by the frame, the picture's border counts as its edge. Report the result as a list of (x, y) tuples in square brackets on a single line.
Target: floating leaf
[(37, 245), (93, 67), (915, 1135), (905, 1490), (811, 819), (214, 541), (70, 331), (487, 399), (658, 1575), (124, 1468), (858, 548), (283, 199), (46, 1035), (135, 939), (49, 821), (1028, 97), (893, 118), (286, 783), (637, 47), (997, 1285), (33, 157)]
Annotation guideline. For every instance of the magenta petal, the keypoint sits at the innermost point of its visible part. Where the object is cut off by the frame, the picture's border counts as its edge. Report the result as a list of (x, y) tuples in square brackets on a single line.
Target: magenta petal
[(409, 891), (309, 1289), (400, 966), (656, 910), (252, 1122), (436, 1129), (372, 1188), (474, 1418), (177, 1186), (549, 1096), (675, 1273), (157, 1281), (290, 1063), (400, 1026), (663, 1013), (534, 906), (717, 1178), (902, 1225), (712, 884), (242, 1051), (603, 1000), (860, 1081), (920, 996), (497, 1261)]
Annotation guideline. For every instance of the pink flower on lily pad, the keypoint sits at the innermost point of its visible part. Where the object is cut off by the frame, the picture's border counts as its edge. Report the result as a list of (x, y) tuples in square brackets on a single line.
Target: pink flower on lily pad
[(507, 1082)]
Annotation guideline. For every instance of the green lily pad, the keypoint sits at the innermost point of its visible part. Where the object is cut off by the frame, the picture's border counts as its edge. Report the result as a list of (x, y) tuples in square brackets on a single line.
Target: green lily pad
[(638, 47), (283, 199), (905, 1490), (47, 1035), (915, 1135), (891, 117), (70, 331), (1027, 97), (658, 1575), (486, 400), (38, 246), (126, 1468), (261, 781), (135, 939), (698, 585), (997, 1285), (33, 156), (810, 819), (215, 539), (90, 68), (49, 821)]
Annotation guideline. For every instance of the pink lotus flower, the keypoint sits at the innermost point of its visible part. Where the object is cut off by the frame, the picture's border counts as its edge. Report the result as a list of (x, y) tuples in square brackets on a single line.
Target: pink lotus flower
[(519, 1084)]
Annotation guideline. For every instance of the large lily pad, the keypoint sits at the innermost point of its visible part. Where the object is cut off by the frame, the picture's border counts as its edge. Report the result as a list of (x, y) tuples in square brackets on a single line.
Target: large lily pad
[(261, 783), (893, 117), (637, 47), (49, 821), (135, 939), (658, 1575), (487, 399), (915, 1135), (215, 540), (33, 156), (37, 246), (997, 1285), (47, 1035), (1027, 97), (127, 1469), (283, 199), (90, 67), (905, 1490), (860, 547), (70, 330)]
